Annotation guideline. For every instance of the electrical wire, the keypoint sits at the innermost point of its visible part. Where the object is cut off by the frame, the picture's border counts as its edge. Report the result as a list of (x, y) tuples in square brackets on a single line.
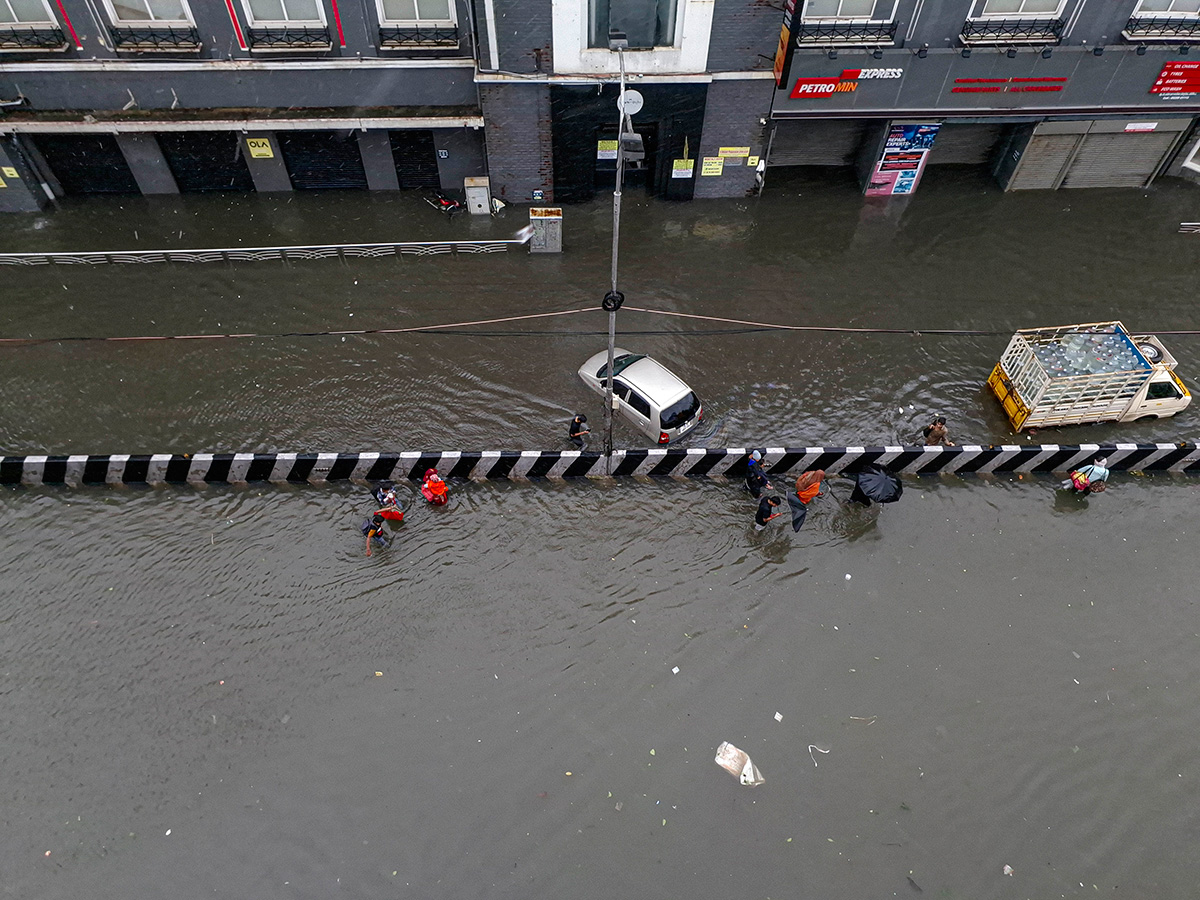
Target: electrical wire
[(744, 326)]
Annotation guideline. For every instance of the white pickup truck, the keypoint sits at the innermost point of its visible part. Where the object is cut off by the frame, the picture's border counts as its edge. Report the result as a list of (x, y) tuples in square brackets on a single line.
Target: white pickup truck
[(1095, 372)]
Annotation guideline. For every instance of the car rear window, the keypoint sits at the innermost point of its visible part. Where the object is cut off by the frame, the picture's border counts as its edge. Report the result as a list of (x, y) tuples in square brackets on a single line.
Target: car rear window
[(680, 412)]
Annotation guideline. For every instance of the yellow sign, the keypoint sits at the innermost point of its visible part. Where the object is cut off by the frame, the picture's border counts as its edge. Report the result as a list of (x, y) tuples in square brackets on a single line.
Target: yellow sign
[(733, 151), (260, 148), (9, 172), (606, 149), (712, 165), (752, 160), (2, 184), (681, 168)]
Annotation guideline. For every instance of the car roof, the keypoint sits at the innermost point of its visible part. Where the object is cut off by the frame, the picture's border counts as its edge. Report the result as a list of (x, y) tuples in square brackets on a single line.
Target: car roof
[(655, 380)]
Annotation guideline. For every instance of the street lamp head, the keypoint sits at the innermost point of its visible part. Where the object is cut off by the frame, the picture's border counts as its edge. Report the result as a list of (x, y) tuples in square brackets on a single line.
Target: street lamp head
[(632, 147), (617, 40)]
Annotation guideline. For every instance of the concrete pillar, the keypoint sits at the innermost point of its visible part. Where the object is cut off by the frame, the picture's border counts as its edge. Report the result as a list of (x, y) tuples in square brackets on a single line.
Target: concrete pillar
[(375, 147), (21, 191), (463, 156), (147, 163), (261, 152)]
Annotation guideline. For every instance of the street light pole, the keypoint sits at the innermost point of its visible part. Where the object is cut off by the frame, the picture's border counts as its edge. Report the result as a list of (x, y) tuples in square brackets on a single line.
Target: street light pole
[(614, 298)]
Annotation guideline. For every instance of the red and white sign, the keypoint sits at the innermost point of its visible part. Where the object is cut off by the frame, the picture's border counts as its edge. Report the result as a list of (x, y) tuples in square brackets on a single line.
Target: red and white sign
[(845, 83), (1177, 77), (1140, 126)]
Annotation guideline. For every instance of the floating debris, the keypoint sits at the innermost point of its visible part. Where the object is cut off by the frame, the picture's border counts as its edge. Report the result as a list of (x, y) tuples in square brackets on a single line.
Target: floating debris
[(737, 763)]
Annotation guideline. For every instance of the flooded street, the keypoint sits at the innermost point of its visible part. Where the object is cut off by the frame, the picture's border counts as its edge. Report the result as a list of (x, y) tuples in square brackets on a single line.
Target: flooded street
[(210, 691)]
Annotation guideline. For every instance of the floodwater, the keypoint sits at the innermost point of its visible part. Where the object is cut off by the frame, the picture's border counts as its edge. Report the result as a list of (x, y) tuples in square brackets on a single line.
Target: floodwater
[(211, 691)]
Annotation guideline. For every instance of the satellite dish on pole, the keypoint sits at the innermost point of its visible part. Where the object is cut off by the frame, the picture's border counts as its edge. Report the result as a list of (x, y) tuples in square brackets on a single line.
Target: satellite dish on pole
[(630, 102)]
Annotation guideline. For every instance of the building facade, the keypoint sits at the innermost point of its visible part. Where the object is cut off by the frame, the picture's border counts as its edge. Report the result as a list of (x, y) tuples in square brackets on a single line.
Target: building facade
[(166, 96), (549, 84), (1047, 93)]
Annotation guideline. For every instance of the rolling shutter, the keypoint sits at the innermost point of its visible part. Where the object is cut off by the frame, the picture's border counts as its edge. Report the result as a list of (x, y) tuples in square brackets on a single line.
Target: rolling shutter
[(1118, 160), (322, 160), (86, 163), (825, 142), (206, 161), (415, 158), (1043, 161), (968, 144)]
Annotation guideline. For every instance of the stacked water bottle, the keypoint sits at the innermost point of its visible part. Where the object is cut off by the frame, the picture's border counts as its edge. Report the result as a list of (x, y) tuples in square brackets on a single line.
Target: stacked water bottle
[(1086, 353)]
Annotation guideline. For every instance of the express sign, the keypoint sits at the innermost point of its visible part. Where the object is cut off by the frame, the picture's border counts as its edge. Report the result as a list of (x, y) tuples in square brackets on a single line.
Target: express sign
[(845, 83)]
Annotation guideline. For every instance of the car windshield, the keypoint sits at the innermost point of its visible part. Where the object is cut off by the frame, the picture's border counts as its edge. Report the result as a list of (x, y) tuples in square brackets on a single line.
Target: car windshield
[(680, 412), (620, 364)]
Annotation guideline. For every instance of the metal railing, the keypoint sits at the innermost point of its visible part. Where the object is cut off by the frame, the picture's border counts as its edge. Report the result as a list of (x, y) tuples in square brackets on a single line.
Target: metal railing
[(288, 38), (156, 39), (845, 34), (417, 36), (1012, 31), (1162, 28), (32, 39), (257, 254)]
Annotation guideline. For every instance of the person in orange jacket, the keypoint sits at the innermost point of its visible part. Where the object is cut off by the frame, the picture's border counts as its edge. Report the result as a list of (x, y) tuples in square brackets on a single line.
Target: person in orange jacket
[(434, 489), (808, 485)]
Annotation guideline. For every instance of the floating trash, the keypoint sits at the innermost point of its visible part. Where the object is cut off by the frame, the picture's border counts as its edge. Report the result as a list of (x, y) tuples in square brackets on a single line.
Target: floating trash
[(737, 763)]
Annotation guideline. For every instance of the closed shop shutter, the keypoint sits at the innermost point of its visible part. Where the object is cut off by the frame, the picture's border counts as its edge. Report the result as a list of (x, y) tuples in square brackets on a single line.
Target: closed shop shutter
[(969, 144), (825, 142), (1043, 161), (1119, 160), (416, 159), (322, 160), (86, 163), (206, 161)]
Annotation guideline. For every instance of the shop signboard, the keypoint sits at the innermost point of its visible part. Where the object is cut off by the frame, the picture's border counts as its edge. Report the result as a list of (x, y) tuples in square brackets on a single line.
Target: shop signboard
[(902, 161), (785, 35), (1177, 80)]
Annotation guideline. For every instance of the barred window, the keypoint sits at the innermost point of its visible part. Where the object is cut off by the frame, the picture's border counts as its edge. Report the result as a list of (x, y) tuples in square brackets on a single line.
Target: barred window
[(1020, 8), (867, 10), (26, 12), (165, 12), (286, 12), (414, 11)]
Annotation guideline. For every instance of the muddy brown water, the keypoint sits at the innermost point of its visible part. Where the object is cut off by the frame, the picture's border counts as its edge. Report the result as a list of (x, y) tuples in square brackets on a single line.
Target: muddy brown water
[(1007, 676)]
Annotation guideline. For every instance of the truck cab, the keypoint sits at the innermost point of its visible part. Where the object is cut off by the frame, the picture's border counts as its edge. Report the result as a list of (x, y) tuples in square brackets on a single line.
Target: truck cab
[(1163, 394)]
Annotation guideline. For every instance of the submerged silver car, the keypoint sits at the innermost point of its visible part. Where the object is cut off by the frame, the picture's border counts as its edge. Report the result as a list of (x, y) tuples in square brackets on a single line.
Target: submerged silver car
[(651, 397)]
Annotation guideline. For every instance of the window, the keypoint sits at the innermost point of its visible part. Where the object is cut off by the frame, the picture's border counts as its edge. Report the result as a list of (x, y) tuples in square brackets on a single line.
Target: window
[(26, 12), (1169, 7), (638, 402), (406, 12), (646, 23), (680, 412), (864, 10), (1017, 9), (150, 12), (1162, 390), (285, 12)]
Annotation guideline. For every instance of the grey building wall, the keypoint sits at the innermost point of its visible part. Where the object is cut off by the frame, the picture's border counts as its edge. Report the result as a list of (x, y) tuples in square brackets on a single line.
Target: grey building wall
[(203, 88), (733, 118), (519, 152), (524, 35), (147, 163), (375, 148), (464, 155), (359, 21), (21, 193), (744, 36)]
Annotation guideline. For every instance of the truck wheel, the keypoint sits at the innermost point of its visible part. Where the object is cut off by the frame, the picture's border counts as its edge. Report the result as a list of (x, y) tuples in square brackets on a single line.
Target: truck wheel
[(1151, 352)]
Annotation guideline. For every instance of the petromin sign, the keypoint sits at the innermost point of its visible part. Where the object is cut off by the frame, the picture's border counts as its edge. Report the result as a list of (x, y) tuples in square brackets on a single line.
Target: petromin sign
[(845, 83)]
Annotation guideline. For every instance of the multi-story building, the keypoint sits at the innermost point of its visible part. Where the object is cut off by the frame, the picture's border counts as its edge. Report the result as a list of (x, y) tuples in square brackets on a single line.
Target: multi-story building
[(1048, 93), (548, 88), (160, 96)]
